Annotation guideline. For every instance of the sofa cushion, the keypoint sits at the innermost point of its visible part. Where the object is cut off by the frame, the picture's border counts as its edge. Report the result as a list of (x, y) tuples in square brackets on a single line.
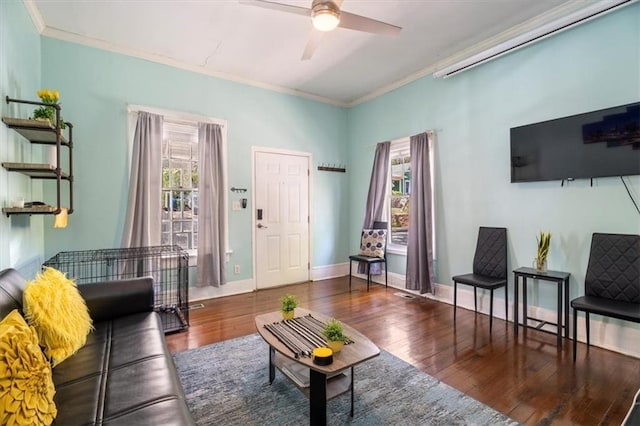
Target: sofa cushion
[(121, 376), (26, 387), (53, 305)]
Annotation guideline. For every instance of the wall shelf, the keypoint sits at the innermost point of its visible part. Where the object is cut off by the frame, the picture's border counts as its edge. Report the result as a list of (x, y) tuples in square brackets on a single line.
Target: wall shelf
[(35, 131), (35, 170), (43, 133)]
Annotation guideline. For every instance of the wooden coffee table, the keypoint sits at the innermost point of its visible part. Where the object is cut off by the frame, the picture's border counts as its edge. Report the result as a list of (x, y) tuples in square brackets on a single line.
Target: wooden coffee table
[(322, 382)]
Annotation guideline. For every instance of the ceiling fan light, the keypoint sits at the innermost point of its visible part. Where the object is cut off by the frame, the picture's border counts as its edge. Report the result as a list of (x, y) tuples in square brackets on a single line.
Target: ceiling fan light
[(325, 18)]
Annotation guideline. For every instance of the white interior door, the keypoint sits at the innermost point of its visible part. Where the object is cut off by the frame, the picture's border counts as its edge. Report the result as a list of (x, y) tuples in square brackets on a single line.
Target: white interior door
[(282, 219)]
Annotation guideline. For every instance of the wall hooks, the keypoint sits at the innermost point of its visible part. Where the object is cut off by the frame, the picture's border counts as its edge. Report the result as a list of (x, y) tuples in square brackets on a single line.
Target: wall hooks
[(332, 168), (234, 189)]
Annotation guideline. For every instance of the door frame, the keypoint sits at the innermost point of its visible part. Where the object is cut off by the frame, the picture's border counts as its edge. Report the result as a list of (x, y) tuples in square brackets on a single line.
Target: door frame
[(267, 150)]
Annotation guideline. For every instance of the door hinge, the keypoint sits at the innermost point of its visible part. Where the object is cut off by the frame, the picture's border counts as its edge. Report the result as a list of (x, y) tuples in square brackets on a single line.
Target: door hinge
[(308, 265)]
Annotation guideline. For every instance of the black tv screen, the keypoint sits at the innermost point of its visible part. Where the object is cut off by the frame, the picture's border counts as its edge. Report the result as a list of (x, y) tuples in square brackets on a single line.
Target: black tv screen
[(596, 144)]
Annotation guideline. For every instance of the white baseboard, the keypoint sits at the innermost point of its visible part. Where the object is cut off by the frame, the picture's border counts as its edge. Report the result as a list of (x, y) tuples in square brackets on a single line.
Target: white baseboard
[(330, 271), (228, 289), (615, 335)]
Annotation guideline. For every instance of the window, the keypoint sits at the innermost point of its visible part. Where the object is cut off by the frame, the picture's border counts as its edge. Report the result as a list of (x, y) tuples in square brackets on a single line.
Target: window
[(400, 171), (400, 194), (180, 185)]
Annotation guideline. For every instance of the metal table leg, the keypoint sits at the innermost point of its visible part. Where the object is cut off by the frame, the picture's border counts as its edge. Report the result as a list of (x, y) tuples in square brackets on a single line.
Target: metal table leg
[(317, 398)]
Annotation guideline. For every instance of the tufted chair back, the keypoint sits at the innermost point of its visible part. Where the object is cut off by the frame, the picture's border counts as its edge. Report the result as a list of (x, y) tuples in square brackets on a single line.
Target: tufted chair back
[(490, 259), (614, 267)]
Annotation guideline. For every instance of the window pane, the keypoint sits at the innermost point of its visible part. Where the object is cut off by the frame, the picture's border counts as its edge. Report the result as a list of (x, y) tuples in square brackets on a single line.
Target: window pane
[(180, 182), (400, 188), (182, 240), (399, 219)]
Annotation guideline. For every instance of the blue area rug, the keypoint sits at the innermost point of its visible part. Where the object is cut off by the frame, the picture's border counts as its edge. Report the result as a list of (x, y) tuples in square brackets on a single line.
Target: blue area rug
[(227, 383)]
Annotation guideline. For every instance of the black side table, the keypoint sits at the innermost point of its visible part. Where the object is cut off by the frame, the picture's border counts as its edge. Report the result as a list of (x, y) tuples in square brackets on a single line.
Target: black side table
[(557, 277)]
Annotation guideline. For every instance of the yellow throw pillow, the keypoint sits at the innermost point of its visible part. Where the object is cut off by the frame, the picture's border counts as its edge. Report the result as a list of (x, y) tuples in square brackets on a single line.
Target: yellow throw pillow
[(26, 386), (53, 305)]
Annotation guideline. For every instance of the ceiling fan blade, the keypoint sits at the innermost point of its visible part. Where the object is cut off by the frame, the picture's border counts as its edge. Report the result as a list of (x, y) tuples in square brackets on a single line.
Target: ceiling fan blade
[(360, 23), (278, 6), (312, 44)]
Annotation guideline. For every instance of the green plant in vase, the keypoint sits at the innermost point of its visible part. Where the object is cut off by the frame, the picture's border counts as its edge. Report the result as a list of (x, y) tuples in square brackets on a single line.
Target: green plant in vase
[(289, 304), (334, 333), (544, 241), (48, 113)]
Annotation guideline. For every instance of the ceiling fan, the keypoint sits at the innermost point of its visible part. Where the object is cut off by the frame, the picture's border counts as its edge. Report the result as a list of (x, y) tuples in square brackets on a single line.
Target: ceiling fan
[(326, 16)]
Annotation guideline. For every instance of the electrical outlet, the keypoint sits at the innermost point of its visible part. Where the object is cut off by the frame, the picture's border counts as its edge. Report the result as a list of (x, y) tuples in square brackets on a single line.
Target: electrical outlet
[(235, 205), (236, 269)]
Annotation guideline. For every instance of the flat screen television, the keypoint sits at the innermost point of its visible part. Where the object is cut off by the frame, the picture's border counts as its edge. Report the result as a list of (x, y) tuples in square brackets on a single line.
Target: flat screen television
[(595, 144)]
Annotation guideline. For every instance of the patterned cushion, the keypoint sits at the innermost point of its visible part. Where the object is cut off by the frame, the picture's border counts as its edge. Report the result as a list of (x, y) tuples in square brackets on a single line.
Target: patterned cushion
[(373, 242), (26, 384)]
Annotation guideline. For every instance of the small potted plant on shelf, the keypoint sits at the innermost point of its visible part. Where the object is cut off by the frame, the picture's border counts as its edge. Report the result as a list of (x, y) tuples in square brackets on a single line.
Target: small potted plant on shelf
[(334, 333), (289, 304), (48, 113), (544, 241)]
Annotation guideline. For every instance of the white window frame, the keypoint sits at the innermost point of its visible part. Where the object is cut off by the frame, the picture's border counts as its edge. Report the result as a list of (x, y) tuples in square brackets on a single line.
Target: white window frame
[(402, 145), (183, 117)]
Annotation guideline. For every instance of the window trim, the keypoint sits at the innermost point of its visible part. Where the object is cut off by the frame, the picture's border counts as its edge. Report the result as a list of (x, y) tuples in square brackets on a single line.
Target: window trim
[(179, 116)]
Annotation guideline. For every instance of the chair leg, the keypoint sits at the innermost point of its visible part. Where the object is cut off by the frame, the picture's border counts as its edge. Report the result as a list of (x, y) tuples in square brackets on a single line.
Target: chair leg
[(506, 303), (491, 312), (586, 315), (386, 277), (350, 262), (575, 333), (475, 299), (368, 275), (455, 299)]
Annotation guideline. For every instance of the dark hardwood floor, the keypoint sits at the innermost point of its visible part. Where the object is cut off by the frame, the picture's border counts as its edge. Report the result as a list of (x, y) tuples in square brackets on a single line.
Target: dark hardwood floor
[(525, 377)]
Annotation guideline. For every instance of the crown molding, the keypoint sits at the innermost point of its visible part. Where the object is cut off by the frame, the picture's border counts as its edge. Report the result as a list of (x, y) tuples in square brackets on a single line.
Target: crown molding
[(563, 11), (110, 47), (36, 16)]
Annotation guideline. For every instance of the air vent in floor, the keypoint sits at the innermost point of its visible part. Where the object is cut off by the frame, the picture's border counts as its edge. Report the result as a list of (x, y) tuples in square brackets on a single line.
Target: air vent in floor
[(196, 306), (404, 295)]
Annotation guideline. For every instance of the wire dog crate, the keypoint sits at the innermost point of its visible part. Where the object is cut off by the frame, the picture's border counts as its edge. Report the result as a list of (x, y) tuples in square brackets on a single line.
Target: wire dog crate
[(168, 265)]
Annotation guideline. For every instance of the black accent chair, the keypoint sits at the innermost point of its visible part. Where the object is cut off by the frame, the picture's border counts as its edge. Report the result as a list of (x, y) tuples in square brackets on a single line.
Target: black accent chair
[(370, 260), (612, 283), (489, 269)]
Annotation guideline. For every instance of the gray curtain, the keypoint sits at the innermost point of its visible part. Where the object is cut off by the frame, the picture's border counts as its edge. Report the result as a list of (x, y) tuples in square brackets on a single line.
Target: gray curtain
[(211, 212), (142, 224), (420, 243), (376, 200)]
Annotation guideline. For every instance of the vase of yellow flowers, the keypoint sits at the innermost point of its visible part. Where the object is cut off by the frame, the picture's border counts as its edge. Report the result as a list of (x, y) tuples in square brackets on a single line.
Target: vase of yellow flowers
[(48, 112)]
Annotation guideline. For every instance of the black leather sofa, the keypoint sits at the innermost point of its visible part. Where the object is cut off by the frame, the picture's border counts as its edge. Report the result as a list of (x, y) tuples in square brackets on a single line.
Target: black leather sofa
[(125, 374)]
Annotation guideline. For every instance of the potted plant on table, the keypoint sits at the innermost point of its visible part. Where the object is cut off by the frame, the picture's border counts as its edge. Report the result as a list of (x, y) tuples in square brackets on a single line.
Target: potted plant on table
[(289, 304), (544, 241), (334, 333)]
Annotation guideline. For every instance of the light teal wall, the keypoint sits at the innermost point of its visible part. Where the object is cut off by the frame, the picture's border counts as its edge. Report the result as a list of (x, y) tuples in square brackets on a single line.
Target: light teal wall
[(96, 87), (21, 241), (594, 66)]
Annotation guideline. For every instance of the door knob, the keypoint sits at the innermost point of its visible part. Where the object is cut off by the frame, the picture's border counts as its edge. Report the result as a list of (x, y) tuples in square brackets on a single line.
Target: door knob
[(260, 226)]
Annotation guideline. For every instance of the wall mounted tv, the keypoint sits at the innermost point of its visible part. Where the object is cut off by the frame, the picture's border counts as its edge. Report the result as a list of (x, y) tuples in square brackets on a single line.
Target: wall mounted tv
[(596, 144)]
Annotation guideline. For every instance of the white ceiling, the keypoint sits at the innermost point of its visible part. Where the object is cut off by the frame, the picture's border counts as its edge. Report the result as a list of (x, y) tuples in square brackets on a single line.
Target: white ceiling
[(263, 47)]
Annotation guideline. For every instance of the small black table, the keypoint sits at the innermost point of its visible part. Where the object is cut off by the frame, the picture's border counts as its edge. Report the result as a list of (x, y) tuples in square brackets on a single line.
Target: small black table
[(557, 277)]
